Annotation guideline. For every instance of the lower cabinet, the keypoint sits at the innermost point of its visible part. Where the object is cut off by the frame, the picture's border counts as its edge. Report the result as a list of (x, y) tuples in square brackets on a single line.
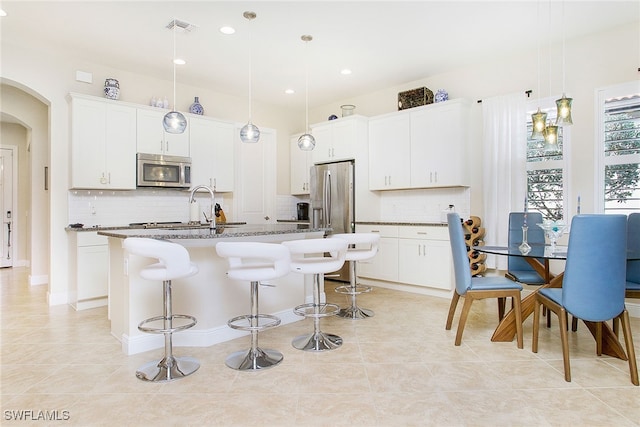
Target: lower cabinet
[(90, 275), (414, 255)]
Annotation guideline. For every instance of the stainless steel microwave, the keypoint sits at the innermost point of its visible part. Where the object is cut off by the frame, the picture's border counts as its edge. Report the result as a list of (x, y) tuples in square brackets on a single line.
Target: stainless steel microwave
[(155, 170)]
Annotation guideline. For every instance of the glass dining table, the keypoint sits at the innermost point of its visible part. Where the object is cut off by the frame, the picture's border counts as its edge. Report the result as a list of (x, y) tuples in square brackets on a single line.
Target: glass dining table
[(539, 257)]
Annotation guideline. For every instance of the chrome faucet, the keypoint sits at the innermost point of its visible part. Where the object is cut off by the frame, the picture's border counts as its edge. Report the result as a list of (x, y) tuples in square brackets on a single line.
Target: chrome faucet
[(212, 222)]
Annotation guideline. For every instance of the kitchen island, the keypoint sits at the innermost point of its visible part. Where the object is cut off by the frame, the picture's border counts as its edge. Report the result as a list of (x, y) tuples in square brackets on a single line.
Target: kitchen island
[(209, 295)]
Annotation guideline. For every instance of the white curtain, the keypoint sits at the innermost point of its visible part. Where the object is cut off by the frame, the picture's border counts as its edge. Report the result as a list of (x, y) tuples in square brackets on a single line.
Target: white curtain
[(504, 142)]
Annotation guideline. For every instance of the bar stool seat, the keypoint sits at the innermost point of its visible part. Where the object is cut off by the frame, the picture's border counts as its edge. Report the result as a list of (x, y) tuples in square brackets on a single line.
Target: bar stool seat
[(362, 246), (317, 257), (174, 263), (254, 262)]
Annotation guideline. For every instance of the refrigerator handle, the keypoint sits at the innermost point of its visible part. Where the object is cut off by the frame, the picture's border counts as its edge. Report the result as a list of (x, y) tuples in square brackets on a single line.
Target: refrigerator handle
[(326, 199)]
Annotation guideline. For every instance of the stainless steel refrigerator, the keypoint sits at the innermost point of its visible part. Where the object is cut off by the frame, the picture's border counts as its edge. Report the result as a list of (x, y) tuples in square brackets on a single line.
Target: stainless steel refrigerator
[(332, 203)]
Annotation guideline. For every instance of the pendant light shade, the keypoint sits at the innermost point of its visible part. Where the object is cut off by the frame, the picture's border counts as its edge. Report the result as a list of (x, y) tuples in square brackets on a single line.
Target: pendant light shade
[(564, 111), (539, 123), (250, 132), (550, 138), (174, 121), (306, 142)]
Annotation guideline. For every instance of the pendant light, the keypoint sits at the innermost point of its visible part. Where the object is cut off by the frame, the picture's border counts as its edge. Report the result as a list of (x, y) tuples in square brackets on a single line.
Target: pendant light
[(306, 142), (174, 121), (539, 118), (250, 132), (563, 104)]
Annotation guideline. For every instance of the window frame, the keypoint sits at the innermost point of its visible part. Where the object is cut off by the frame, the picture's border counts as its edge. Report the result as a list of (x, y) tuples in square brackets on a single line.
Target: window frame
[(601, 95), (548, 105)]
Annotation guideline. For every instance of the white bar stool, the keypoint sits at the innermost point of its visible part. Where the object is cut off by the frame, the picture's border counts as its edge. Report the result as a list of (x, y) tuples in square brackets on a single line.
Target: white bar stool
[(310, 257), (362, 246), (254, 262), (174, 263)]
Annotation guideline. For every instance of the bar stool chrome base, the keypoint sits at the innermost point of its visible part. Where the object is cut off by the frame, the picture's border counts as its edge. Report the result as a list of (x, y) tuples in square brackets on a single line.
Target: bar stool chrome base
[(251, 360), (317, 341), (355, 313), (168, 369)]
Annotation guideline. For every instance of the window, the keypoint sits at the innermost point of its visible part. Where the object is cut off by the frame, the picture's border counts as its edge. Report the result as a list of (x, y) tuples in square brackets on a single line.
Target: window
[(619, 149), (546, 168)]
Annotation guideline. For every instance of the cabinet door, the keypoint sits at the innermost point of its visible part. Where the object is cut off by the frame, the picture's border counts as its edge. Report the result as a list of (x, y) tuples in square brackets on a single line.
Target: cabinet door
[(324, 144), (150, 134), (343, 138), (120, 150), (389, 152), (254, 200), (300, 164), (384, 266), (151, 137), (88, 140), (212, 157), (438, 148), (413, 264), (93, 274)]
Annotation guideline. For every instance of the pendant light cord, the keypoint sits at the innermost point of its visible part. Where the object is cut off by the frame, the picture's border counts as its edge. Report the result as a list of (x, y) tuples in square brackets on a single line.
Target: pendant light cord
[(538, 21), (174, 64), (250, 69), (563, 41), (306, 83)]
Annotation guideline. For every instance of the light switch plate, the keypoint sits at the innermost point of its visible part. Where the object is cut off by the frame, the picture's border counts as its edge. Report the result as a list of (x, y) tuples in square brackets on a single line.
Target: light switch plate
[(83, 76)]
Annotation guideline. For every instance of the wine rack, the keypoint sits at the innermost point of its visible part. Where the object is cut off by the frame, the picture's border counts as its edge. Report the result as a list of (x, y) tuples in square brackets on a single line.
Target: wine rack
[(473, 236)]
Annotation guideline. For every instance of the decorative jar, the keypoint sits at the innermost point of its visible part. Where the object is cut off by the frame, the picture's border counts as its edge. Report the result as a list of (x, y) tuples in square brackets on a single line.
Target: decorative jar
[(111, 89), (196, 107)]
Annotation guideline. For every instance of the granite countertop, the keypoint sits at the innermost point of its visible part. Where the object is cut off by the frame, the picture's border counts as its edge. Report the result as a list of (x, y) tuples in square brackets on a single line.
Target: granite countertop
[(431, 224), (221, 231), (150, 226)]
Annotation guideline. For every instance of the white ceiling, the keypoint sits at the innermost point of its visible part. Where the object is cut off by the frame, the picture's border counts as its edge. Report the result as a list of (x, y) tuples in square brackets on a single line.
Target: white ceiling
[(385, 43)]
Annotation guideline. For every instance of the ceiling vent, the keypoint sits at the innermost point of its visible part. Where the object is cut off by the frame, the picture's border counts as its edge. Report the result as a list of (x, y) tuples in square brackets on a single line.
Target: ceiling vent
[(181, 25)]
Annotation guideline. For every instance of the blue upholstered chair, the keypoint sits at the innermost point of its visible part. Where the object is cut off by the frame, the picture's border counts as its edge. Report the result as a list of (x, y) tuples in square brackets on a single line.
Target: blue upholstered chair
[(593, 287), (473, 288), (518, 269), (633, 267)]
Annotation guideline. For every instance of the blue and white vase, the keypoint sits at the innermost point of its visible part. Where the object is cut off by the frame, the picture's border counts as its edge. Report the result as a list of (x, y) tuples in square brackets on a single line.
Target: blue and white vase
[(196, 107), (111, 89), (441, 95)]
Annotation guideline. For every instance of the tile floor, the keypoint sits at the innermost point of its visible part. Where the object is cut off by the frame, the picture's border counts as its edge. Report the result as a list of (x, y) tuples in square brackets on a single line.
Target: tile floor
[(399, 368)]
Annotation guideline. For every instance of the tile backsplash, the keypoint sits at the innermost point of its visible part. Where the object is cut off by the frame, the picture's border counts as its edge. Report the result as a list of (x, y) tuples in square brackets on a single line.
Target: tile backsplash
[(115, 208), (423, 205)]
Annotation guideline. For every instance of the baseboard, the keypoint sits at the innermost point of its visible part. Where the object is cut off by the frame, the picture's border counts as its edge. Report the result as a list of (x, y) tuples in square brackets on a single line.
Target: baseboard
[(633, 308), (41, 279), (192, 337), (422, 290)]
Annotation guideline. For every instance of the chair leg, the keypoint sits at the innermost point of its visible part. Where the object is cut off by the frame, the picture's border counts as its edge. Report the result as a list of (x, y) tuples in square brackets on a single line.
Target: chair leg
[(463, 317), (562, 318), (628, 339), (599, 338), (501, 304), (574, 323), (536, 326), (452, 309), (515, 300)]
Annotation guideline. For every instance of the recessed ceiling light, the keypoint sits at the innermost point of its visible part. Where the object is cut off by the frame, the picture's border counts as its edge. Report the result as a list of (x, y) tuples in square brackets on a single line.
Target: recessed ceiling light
[(227, 30), (179, 61), (289, 91), (345, 72)]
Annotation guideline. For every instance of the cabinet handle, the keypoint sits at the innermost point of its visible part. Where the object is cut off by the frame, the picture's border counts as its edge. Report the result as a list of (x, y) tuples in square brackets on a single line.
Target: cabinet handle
[(430, 176), (161, 145), (436, 175), (332, 153), (375, 231), (103, 180), (422, 232), (215, 183), (166, 146), (109, 178), (210, 182), (389, 179)]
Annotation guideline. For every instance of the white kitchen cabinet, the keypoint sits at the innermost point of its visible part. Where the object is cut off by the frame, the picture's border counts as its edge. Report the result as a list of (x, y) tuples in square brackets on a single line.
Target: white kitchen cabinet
[(212, 153), (254, 200), (422, 147), (337, 139), (103, 144), (424, 257), (153, 139), (413, 255), (438, 145), (389, 151), (90, 272), (384, 266), (300, 168)]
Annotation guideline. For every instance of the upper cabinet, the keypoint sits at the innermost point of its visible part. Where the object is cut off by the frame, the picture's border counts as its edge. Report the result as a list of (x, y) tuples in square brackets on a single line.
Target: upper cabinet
[(337, 139), (152, 138), (212, 157), (439, 145), (300, 167), (389, 151), (420, 148), (103, 144)]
